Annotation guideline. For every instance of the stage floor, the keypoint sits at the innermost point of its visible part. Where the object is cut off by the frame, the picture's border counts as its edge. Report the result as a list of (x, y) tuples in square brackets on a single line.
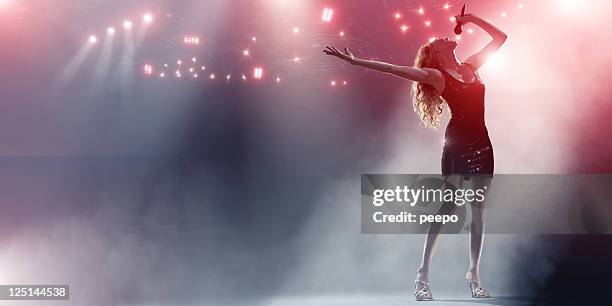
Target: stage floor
[(386, 300)]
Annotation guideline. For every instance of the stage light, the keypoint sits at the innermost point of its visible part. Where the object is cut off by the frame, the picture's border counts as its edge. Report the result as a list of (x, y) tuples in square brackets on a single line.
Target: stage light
[(203, 67), (296, 59), (332, 83), (246, 52), (191, 70), (212, 76), (503, 15), (147, 18), (179, 62), (253, 39), (162, 75), (193, 59), (341, 33), (165, 65), (148, 69), (344, 83), (127, 24), (421, 11), (278, 79), (296, 30), (427, 23), (178, 73), (93, 39), (327, 14), (244, 77), (228, 77), (191, 40), (195, 76), (404, 28), (397, 15), (110, 30), (258, 73), (520, 5), (447, 6)]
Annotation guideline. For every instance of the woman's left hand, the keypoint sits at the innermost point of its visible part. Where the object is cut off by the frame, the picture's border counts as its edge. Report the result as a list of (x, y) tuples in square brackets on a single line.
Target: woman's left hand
[(467, 18)]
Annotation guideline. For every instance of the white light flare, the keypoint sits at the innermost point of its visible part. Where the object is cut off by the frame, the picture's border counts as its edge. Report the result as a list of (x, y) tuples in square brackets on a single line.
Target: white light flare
[(421, 11), (191, 40), (111, 30), (148, 69), (147, 18), (328, 14), (404, 28), (93, 39), (258, 73), (127, 24)]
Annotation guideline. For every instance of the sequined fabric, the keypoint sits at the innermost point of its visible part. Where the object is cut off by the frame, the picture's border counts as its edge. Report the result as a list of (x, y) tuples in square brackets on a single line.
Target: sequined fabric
[(467, 147)]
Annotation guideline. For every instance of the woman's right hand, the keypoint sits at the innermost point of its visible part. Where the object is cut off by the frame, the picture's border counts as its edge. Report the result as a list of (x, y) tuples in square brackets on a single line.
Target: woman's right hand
[(346, 55)]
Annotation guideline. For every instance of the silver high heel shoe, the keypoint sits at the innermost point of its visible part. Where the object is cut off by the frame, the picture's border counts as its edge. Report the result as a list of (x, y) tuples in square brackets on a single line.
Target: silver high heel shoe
[(424, 293), (477, 291)]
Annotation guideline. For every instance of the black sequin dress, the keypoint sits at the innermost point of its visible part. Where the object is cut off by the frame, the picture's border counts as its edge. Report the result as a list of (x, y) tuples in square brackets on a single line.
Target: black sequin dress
[(467, 147)]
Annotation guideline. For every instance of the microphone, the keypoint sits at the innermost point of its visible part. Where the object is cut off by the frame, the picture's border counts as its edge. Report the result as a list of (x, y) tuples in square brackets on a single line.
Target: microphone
[(458, 29)]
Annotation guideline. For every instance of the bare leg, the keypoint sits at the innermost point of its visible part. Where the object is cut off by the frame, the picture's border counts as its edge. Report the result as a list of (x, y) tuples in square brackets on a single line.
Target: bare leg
[(477, 232), (433, 234)]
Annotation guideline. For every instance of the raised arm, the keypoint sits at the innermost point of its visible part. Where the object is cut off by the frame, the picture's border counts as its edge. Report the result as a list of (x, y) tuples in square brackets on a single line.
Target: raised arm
[(429, 76), (499, 38)]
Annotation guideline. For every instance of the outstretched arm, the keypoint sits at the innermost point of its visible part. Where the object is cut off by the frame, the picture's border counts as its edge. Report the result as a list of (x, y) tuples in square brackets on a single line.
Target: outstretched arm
[(499, 38), (425, 75)]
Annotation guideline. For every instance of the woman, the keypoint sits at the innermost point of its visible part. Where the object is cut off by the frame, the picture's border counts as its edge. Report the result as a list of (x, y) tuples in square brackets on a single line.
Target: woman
[(440, 81)]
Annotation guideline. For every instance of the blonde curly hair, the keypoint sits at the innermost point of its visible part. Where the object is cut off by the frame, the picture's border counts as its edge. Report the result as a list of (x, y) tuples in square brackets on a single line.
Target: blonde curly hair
[(427, 102)]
